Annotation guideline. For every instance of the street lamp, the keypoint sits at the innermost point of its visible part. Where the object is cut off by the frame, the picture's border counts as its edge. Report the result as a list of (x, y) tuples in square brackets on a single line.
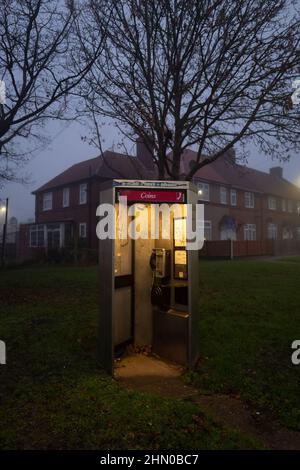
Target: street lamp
[(4, 208)]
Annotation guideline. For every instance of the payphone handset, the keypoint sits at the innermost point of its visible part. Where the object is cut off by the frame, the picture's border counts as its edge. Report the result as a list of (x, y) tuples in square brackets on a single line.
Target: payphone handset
[(160, 262)]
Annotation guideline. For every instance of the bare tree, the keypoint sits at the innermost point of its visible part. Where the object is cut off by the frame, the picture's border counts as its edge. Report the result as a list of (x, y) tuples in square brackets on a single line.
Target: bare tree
[(40, 65), (208, 74)]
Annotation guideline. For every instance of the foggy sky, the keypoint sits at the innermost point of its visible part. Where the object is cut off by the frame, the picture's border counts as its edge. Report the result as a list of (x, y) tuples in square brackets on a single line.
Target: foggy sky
[(67, 148)]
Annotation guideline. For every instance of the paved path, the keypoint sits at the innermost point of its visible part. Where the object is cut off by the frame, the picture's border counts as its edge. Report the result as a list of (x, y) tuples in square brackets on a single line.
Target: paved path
[(150, 374)]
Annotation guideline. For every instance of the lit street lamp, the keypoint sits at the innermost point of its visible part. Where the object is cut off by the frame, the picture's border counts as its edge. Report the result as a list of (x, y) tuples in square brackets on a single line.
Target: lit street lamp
[(4, 208)]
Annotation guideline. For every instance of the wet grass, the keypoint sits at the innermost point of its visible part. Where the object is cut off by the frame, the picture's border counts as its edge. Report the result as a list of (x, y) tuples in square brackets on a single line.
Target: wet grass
[(53, 396), (249, 315)]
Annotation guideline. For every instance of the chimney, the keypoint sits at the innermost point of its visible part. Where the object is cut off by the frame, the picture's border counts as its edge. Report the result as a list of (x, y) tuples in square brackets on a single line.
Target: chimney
[(144, 155), (230, 155), (276, 171)]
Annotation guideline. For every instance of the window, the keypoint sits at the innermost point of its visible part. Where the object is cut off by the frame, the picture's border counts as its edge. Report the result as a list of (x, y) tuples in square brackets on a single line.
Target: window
[(66, 197), (272, 232), (233, 197), (287, 233), (83, 193), (203, 191), (272, 203), (290, 206), (223, 195), (37, 235), (283, 205), (249, 200), (207, 230), (249, 232), (47, 201), (82, 230)]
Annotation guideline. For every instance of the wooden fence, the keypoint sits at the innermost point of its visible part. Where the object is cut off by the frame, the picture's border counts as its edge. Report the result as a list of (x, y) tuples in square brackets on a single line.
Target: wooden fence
[(229, 249), (253, 248)]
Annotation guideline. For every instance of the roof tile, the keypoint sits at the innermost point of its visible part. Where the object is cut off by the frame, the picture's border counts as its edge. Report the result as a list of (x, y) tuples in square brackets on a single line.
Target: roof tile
[(222, 171)]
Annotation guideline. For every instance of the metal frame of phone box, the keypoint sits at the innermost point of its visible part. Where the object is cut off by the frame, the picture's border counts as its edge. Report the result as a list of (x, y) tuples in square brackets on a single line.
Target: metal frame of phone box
[(108, 195)]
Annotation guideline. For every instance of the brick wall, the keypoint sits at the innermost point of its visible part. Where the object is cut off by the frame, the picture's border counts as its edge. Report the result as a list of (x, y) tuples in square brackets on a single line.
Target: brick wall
[(214, 211), (79, 213), (260, 215)]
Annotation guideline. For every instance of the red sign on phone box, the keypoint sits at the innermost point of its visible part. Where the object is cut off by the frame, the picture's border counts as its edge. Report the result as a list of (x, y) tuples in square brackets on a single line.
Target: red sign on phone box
[(152, 195)]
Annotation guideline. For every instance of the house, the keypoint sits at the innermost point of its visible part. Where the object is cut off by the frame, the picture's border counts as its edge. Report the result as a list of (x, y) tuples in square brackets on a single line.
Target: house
[(65, 207), (241, 203)]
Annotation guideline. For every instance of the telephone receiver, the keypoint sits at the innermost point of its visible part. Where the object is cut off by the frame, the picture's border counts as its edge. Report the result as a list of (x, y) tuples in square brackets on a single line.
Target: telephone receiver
[(152, 261), (160, 263)]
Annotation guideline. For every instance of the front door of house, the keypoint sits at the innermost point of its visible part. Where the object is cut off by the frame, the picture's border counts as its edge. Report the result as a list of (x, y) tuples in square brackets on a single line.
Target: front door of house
[(227, 233), (53, 236)]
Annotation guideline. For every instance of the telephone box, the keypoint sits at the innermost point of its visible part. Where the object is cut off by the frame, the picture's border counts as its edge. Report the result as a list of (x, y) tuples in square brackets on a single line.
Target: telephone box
[(148, 285)]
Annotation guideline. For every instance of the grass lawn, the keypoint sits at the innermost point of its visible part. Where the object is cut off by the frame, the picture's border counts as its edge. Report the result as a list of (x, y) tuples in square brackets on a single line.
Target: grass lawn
[(249, 317), (52, 396)]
